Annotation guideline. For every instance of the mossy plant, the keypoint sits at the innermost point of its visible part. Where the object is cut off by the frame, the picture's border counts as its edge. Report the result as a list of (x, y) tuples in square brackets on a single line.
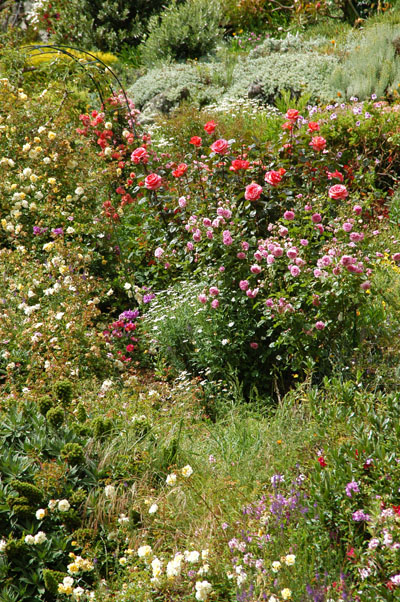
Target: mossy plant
[(55, 417), (73, 454)]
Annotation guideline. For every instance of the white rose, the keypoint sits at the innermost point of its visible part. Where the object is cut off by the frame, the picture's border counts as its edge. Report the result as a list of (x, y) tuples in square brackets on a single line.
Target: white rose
[(63, 505)]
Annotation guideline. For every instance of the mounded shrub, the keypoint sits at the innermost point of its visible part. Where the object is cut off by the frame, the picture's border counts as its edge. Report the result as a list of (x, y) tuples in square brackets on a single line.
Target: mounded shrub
[(189, 31), (373, 66)]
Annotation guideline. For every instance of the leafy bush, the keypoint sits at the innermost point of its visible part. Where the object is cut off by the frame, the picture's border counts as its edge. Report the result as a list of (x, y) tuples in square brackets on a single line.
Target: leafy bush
[(298, 72), (176, 82), (189, 31), (372, 67)]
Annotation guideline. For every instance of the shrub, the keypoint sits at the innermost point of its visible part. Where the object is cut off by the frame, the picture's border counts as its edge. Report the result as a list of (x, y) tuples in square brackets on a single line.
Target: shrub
[(372, 67), (73, 454), (298, 72), (55, 417), (176, 82), (63, 392), (191, 30), (45, 403)]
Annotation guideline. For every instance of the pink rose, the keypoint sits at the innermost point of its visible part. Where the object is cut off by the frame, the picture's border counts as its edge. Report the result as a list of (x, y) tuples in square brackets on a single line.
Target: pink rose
[(318, 143), (273, 177), (140, 155), (253, 192), (320, 325), (214, 291), (220, 146), (153, 181), (202, 298), (244, 285), (338, 192), (158, 252), (288, 215), (316, 218)]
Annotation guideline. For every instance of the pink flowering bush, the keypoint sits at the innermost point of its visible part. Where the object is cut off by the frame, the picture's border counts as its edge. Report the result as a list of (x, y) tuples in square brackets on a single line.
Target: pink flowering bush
[(283, 237)]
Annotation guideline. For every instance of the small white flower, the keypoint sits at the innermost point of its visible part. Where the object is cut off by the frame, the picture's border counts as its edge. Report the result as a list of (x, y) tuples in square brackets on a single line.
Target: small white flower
[(192, 556), (276, 565), (153, 509), (39, 538), (122, 561), (171, 479), (187, 471), (40, 514), (79, 191), (123, 519), (3, 544), (144, 551), (127, 286), (203, 590), (52, 505), (29, 539), (109, 491), (63, 505), (290, 559)]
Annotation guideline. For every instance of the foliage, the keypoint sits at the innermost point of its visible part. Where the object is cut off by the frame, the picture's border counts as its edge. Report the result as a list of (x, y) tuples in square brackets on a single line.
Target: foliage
[(189, 31), (372, 67)]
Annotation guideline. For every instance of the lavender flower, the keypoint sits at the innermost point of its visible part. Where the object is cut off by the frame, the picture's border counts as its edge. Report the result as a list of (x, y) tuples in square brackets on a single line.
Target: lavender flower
[(352, 486), (360, 516)]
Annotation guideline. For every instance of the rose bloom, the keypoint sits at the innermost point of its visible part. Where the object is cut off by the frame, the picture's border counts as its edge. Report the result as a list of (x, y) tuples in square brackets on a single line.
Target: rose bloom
[(220, 146), (140, 155), (195, 140), (253, 192), (292, 114), (210, 127), (318, 143), (273, 177), (180, 170), (238, 164), (313, 126), (288, 215), (338, 192), (153, 181)]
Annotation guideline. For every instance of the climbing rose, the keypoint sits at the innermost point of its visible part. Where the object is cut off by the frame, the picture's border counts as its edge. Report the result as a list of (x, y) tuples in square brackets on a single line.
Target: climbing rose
[(253, 192)]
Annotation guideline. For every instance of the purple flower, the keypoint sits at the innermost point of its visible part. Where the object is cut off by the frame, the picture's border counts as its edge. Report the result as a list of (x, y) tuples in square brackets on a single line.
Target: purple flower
[(57, 231), (149, 297), (129, 314), (360, 516), (352, 486)]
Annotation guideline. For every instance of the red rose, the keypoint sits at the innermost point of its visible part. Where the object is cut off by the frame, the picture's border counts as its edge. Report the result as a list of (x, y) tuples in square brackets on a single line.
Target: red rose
[(322, 462), (210, 127), (335, 174), (288, 125), (253, 192), (313, 126), (273, 177), (220, 146), (238, 164), (318, 143), (195, 140), (152, 181), (338, 192), (140, 155), (180, 170), (292, 114)]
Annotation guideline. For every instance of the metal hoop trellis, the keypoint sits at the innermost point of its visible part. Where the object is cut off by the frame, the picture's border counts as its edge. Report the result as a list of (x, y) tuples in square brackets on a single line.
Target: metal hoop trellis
[(93, 60)]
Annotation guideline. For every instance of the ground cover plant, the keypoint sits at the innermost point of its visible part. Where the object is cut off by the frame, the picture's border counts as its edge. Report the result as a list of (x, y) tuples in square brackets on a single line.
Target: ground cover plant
[(199, 323)]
